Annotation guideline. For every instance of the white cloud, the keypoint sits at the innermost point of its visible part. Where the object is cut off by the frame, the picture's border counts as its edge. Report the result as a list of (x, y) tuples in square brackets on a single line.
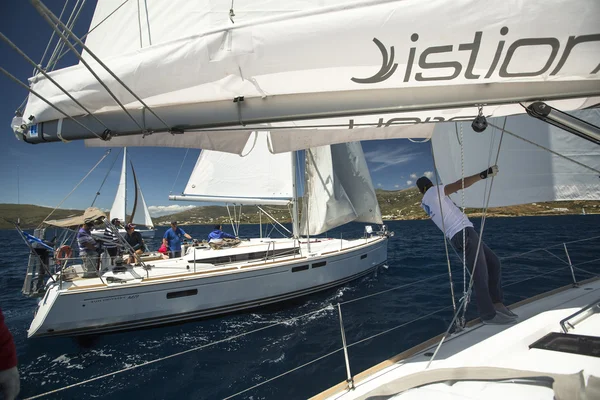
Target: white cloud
[(428, 174), (379, 185), (414, 176), (396, 186), (158, 211), (388, 157), (409, 182)]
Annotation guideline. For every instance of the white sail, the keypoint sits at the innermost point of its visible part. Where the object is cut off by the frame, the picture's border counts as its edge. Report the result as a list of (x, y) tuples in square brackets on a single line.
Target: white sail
[(360, 58), (142, 217), (350, 167), (528, 173), (326, 204), (255, 177), (118, 209)]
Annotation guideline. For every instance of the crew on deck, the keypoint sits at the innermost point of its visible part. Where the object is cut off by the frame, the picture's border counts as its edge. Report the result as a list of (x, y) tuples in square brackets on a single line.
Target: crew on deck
[(172, 239), (89, 249), (135, 240)]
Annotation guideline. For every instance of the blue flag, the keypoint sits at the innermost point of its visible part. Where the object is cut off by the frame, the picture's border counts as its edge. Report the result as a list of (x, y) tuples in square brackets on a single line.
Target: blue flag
[(32, 239)]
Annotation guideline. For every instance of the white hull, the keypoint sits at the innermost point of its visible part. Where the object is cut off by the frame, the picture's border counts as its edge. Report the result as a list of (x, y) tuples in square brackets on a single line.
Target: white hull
[(171, 291), (491, 361)]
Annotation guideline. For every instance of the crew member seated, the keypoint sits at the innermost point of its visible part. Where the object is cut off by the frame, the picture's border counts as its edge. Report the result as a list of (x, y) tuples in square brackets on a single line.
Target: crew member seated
[(134, 239), (215, 238)]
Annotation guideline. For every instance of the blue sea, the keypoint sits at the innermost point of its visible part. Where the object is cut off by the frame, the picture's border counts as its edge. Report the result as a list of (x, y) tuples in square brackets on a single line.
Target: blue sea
[(296, 332)]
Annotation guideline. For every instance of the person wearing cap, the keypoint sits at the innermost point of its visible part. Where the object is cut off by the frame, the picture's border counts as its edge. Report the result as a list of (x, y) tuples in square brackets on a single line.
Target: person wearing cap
[(9, 374), (135, 240), (172, 239), (487, 279)]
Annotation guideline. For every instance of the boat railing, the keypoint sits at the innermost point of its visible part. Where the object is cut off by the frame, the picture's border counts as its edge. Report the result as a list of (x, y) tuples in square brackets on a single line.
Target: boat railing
[(338, 307)]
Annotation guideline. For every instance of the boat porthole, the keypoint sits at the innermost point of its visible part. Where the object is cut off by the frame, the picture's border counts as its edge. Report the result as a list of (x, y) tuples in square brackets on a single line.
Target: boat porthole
[(588, 288), (428, 354), (83, 305)]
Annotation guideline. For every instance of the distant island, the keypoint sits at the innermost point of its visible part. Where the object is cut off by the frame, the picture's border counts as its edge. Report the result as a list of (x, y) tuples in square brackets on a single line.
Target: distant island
[(395, 205)]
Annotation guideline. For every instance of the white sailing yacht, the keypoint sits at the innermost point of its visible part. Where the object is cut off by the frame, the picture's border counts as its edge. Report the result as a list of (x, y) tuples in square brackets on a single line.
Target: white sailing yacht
[(317, 73), (140, 216), (209, 281)]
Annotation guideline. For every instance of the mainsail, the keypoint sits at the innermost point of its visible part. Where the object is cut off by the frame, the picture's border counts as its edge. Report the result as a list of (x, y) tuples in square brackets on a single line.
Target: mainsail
[(366, 65), (119, 207), (528, 172)]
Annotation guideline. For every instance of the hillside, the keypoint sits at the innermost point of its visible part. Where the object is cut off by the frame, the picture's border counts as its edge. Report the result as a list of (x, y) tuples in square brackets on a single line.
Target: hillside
[(30, 215), (395, 205)]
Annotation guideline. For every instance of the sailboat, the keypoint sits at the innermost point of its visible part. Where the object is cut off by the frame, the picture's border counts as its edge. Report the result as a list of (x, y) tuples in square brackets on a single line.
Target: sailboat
[(140, 216), (210, 280), (208, 76)]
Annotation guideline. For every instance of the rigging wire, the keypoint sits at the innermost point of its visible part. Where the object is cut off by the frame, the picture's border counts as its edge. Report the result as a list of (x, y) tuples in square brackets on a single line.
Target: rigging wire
[(49, 42), (76, 186), (69, 25), (26, 57), (105, 177), (49, 16), (178, 172), (15, 79), (90, 31), (443, 228), (549, 150)]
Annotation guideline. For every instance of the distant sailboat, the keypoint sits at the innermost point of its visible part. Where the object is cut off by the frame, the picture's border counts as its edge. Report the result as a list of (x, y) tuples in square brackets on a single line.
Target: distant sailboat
[(582, 211), (139, 215)]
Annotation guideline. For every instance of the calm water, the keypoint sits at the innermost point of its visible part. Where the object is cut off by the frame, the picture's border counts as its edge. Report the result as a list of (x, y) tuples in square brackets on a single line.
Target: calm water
[(215, 372)]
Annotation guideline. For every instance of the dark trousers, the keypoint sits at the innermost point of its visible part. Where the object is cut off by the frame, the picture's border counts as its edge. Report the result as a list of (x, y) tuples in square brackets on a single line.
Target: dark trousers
[(174, 254), (487, 280)]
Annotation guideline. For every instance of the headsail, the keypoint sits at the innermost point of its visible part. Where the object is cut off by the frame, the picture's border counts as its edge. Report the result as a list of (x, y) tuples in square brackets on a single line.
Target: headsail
[(256, 177), (140, 214), (338, 189), (361, 58), (528, 173)]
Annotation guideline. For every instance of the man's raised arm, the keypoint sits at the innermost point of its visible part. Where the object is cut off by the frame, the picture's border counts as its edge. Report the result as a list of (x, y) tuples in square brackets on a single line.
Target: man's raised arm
[(470, 180)]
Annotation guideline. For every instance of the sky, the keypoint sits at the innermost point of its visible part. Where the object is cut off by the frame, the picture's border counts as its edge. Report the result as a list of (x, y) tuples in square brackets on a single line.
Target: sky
[(45, 174)]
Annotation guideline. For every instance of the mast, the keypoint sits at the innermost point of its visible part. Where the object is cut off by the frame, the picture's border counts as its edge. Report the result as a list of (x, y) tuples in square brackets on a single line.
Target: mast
[(124, 177), (295, 197), (135, 201)]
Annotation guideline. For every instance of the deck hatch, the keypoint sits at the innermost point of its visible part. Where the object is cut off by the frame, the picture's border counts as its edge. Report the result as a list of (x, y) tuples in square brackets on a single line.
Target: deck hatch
[(569, 343), (300, 268), (182, 293), (319, 264), (363, 256)]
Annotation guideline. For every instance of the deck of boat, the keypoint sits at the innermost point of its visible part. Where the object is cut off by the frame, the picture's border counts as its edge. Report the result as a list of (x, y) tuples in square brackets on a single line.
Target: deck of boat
[(265, 253), (484, 350)]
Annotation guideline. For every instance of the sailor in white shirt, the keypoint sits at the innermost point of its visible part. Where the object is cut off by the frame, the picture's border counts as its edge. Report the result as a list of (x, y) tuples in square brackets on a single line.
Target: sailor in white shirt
[(487, 279)]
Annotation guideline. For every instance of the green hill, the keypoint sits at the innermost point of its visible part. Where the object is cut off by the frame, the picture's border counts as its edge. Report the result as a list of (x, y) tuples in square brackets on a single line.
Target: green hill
[(395, 205), (30, 215)]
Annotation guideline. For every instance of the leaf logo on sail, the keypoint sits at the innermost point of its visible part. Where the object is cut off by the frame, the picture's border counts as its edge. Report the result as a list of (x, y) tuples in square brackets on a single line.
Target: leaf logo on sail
[(388, 67)]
